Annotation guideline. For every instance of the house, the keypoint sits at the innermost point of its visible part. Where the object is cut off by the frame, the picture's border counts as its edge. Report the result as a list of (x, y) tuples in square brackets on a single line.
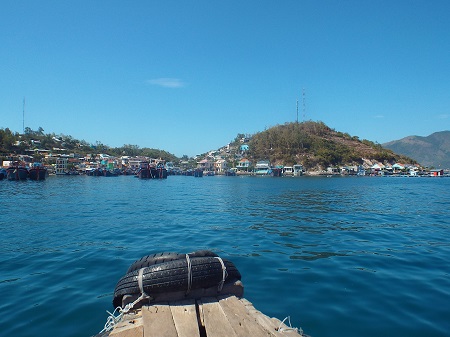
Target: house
[(205, 165), (298, 170), (262, 167), (220, 165), (437, 173), (243, 148), (376, 168), (243, 164), (397, 168), (61, 167)]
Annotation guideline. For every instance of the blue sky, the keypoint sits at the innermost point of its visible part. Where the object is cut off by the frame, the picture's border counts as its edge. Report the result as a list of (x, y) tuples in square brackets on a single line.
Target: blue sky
[(188, 76)]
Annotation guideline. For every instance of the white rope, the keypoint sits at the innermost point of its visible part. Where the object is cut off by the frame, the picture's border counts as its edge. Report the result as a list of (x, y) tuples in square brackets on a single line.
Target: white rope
[(224, 274), (189, 266), (140, 274), (288, 328), (112, 319)]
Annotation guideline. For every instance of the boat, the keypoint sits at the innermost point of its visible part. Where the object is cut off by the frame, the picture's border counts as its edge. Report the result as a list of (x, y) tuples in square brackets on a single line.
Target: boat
[(17, 172), (109, 173), (230, 172), (195, 294), (37, 172), (2, 173), (198, 173), (161, 171), (96, 172), (150, 171)]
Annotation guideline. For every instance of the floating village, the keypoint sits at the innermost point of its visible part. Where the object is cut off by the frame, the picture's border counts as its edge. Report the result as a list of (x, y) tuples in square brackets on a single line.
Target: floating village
[(23, 167)]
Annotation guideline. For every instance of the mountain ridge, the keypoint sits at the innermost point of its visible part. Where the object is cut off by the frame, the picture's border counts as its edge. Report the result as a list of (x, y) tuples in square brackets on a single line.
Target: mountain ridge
[(430, 151)]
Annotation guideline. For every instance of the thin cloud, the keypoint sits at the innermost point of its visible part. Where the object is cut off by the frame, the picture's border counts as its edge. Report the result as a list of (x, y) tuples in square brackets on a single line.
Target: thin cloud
[(379, 116), (167, 82), (443, 116)]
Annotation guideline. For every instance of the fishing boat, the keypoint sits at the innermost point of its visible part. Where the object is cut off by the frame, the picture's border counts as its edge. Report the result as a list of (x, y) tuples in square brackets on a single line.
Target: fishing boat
[(161, 171), (110, 173), (151, 171), (196, 294), (37, 172), (230, 172), (198, 173), (17, 172), (2, 173), (96, 172)]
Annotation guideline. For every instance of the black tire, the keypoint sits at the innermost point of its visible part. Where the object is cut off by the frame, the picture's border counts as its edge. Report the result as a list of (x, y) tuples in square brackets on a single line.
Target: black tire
[(173, 276), (158, 258)]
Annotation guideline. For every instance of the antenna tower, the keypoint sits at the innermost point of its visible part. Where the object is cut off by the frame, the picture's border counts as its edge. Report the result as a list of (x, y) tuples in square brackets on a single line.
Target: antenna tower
[(304, 105), (297, 110), (23, 117)]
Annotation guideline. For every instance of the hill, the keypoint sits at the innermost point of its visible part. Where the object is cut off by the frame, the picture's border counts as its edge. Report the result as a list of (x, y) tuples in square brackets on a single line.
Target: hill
[(431, 151), (33, 142), (315, 145)]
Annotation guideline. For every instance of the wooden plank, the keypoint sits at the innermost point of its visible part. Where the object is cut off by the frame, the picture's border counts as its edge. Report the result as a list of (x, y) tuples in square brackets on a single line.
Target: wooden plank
[(269, 324), (158, 321), (128, 331), (185, 318), (216, 322), (130, 326), (243, 323)]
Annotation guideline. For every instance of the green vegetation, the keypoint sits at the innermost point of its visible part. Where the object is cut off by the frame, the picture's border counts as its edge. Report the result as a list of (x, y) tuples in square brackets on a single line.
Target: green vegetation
[(312, 144), (315, 145), (17, 144)]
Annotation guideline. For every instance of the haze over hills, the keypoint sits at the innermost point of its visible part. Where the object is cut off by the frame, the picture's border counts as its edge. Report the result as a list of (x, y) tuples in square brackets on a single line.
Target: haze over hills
[(431, 151)]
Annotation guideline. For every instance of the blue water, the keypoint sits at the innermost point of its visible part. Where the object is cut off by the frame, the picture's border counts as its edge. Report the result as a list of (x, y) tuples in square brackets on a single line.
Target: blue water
[(340, 256)]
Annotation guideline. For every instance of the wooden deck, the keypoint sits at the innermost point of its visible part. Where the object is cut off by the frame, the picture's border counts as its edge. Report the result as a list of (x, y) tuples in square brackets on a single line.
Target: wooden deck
[(222, 316)]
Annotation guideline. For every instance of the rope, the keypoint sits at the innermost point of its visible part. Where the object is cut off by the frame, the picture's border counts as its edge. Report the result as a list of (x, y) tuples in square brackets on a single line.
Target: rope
[(189, 266), (224, 274), (288, 328), (114, 318)]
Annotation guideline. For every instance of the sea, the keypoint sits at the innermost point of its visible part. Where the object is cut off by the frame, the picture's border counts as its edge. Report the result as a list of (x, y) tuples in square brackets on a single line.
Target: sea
[(339, 256)]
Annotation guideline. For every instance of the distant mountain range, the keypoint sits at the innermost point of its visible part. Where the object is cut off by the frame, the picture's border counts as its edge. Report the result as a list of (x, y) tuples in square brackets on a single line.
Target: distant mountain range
[(431, 151)]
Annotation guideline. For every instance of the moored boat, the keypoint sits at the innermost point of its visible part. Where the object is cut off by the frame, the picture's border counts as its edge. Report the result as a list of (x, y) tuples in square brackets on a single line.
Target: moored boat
[(198, 173), (2, 173), (37, 172), (97, 172), (161, 171), (109, 173), (144, 170), (17, 172)]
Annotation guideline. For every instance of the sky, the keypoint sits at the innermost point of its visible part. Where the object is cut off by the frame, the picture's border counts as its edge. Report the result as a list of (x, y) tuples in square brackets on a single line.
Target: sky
[(188, 76)]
